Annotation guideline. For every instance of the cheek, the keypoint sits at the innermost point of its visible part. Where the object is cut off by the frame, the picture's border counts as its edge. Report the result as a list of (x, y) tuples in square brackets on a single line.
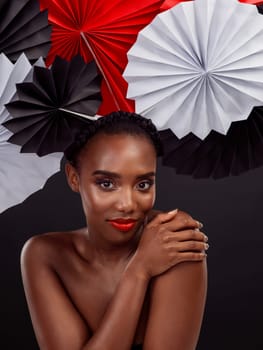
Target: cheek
[(95, 201), (146, 201)]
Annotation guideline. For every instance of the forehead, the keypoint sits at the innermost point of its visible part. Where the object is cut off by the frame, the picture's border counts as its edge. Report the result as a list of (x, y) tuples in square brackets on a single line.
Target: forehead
[(118, 153)]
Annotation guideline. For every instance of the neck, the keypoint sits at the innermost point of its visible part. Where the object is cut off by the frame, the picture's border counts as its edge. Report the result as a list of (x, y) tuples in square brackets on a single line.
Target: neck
[(111, 253)]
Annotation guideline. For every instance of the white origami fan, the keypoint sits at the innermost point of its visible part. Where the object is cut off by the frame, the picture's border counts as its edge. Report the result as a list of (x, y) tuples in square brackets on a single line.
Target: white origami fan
[(20, 174), (198, 66)]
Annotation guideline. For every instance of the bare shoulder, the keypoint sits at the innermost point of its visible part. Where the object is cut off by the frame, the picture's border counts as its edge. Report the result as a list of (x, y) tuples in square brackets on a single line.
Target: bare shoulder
[(51, 247), (43, 245), (51, 309)]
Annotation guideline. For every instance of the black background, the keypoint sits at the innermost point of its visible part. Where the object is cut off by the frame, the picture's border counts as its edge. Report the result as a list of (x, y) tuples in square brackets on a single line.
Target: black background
[(231, 210)]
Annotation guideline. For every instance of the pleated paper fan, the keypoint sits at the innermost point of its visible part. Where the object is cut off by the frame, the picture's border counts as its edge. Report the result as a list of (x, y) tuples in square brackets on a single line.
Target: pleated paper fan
[(11, 74), (198, 67), (167, 4), (102, 30), (20, 174), (252, 2), (23, 174), (23, 28), (218, 155), (54, 106)]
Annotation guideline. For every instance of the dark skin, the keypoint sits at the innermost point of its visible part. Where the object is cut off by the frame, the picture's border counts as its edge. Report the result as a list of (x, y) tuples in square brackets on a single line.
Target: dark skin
[(102, 288)]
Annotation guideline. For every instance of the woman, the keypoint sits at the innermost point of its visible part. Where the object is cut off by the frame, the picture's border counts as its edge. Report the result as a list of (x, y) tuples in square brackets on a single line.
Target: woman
[(129, 277)]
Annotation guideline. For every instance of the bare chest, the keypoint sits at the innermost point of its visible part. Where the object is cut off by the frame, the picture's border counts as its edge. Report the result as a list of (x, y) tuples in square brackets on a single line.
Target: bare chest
[(91, 291)]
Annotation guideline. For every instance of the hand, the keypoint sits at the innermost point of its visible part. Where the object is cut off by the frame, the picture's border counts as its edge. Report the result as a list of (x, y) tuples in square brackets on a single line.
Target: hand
[(170, 238)]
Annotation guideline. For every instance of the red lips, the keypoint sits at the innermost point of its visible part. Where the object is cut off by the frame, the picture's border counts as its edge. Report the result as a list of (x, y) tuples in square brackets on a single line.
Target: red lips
[(123, 224)]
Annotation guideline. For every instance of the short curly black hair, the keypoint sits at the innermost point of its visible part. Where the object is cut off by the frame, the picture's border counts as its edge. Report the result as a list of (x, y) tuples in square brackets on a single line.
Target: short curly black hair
[(114, 123)]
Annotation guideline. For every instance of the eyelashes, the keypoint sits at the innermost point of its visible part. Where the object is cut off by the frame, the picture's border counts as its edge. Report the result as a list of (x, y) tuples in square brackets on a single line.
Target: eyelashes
[(105, 184), (145, 185), (111, 185)]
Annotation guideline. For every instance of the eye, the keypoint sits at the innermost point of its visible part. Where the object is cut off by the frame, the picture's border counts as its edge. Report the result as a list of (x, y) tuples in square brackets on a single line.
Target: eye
[(105, 184), (145, 185)]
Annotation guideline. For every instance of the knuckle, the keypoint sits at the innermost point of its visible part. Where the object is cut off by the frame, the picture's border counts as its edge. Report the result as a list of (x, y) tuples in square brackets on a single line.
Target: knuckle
[(192, 245), (197, 256), (193, 256), (161, 217), (185, 215), (185, 221), (165, 238), (194, 233), (161, 230), (169, 248)]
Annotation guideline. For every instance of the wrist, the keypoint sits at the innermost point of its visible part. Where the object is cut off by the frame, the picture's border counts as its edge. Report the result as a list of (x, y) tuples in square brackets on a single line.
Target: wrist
[(137, 269)]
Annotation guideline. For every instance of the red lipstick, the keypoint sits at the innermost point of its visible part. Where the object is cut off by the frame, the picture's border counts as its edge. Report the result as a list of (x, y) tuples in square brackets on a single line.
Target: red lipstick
[(123, 224)]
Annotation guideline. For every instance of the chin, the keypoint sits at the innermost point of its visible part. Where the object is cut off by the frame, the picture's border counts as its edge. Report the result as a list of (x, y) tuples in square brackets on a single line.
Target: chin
[(121, 236)]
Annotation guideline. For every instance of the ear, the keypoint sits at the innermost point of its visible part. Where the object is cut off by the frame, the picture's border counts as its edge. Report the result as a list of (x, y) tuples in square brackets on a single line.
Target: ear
[(72, 177)]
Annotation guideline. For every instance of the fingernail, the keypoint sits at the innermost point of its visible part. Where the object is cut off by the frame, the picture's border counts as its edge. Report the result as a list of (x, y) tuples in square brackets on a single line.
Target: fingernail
[(206, 238), (206, 246), (200, 224), (172, 212)]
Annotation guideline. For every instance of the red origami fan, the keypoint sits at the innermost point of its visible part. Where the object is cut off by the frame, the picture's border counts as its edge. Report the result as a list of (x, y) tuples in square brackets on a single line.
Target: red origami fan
[(170, 3), (252, 2), (103, 30)]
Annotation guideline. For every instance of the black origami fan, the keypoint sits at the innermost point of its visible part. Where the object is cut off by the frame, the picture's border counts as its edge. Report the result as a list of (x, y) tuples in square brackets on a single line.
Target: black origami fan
[(23, 28), (54, 106), (218, 155)]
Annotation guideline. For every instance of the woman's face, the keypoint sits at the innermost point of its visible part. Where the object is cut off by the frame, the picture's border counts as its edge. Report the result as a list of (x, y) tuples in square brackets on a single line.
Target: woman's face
[(116, 182)]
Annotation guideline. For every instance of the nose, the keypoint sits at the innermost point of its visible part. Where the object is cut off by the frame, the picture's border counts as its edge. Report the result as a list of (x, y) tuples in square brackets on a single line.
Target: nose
[(125, 201)]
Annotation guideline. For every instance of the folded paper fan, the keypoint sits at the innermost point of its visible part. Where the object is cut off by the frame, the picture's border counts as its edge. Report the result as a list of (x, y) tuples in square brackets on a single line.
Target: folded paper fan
[(20, 174), (23, 28), (167, 4), (10, 74), (252, 2), (198, 67), (102, 30), (218, 155), (54, 106), (170, 3)]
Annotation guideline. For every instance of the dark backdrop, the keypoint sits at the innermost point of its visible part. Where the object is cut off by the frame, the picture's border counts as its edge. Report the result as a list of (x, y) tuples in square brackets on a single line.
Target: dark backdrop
[(231, 210)]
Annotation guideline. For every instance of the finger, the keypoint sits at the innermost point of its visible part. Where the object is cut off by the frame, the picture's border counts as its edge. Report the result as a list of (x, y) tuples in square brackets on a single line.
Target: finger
[(182, 223), (162, 218), (185, 235), (191, 256), (188, 246)]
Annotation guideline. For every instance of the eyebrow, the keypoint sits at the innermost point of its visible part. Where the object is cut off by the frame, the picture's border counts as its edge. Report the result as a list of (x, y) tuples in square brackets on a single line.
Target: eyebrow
[(116, 175)]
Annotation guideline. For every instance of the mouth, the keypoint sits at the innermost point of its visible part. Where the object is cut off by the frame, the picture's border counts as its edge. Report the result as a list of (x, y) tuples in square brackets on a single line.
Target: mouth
[(123, 224)]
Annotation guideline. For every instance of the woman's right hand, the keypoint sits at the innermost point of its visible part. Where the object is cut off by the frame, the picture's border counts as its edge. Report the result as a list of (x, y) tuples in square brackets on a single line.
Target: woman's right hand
[(170, 238)]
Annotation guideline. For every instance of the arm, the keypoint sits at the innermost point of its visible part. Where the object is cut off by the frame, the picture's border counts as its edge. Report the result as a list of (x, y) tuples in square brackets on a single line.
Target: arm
[(176, 307), (57, 323)]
